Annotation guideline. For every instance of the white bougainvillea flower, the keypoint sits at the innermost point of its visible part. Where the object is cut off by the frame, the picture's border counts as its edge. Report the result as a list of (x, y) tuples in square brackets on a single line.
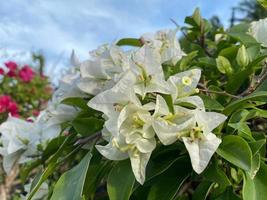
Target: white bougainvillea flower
[(192, 126), (68, 84), (113, 100), (258, 30), (145, 64), (167, 44), (19, 141), (201, 142), (134, 139), (168, 126), (53, 116), (184, 83), (104, 70)]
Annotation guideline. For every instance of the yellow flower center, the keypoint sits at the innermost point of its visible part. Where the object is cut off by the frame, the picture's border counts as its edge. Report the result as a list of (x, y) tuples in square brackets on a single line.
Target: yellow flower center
[(186, 80)]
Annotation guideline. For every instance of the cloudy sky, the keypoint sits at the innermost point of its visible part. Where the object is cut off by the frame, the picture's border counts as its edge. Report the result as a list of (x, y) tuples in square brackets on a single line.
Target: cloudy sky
[(55, 27)]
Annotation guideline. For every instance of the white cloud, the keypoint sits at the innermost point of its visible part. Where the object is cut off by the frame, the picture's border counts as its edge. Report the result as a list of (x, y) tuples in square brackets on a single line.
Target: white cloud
[(56, 26)]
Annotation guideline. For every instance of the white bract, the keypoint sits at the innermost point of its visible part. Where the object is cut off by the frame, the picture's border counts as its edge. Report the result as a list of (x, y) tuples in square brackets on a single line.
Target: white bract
[(145, 64), (166, 43), (104, 70), (19, 141), (258, 30), (192, 126), (184, 83)]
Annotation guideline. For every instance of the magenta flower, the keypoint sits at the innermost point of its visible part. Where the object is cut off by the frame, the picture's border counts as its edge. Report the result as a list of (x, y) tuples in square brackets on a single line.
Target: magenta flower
[(26, 73), (8, 105), (12, 66)]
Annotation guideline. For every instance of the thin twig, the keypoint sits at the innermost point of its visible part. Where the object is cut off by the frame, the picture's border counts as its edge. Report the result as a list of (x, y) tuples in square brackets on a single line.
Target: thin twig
[(224, 93), (256, 81), (85, 140)]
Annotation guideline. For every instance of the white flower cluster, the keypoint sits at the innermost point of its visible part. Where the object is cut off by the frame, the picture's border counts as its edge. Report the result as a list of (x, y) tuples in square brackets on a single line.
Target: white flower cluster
[(122, 82), (141, 107)]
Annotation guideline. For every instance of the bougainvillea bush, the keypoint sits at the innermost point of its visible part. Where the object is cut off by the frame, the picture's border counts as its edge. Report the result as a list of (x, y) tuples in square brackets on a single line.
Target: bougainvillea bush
[(160, 120), (23, 91)]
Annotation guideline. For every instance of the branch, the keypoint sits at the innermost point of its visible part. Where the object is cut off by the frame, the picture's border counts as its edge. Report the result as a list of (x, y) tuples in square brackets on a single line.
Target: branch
[(224, 93), (87, 139), (256, 81)]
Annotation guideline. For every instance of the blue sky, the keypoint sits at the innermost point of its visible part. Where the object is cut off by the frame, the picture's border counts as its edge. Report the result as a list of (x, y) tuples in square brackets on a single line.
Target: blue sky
[(55, 27)]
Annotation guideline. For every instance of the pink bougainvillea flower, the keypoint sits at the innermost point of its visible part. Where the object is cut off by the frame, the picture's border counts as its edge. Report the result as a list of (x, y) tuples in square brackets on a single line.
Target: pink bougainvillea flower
[(5, 100), (26, 73), (12, 66), (8, 105), (2, 72), (13, 108)]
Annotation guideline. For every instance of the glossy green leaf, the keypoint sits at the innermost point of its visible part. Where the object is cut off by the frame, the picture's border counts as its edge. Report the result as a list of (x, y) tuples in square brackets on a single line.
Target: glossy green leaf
[(87, 126), (256, 189), (130, 42), (236, 150), (120, 181), (70, 184), (228, 195), (211, 104), (52, 164), (255, 146), (76, 102), (215, 174), (255, 166), (243, 130), (202, 190), (237, 104), (166, 185)]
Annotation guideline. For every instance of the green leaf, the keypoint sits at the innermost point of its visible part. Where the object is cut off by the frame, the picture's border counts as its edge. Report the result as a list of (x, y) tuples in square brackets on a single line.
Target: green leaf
[(95, 174), (76, 102), (184, 64), (239, 32), (263, 3), (256, 162), (228, 195), (166, 185), (223, 65), (53, 146), (202, 190), (256, 145), (52, 164), (216, 174), (70, 184), (120, 181), (210, 103), (255, 189), (87, 126), (243, 130), (238, 104), (130, 42), (236, 150), (169, 101), (158, 167), (242, 57)]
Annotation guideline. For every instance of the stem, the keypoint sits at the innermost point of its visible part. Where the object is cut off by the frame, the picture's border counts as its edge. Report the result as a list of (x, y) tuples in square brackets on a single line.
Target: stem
[(256, 81), (220, 93), (88, 138)]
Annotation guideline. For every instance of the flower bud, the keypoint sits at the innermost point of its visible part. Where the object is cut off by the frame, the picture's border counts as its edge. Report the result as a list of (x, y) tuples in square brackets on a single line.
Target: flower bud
[(242, 57), (223, 65)]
